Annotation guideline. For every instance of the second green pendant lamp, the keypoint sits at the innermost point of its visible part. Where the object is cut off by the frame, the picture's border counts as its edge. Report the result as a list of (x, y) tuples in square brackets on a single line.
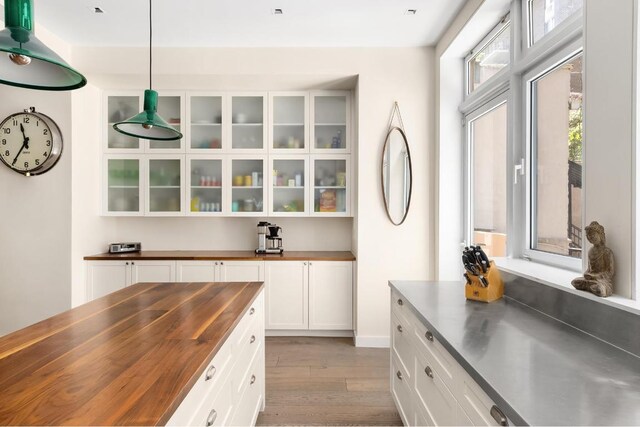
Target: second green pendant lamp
[(148, 124)]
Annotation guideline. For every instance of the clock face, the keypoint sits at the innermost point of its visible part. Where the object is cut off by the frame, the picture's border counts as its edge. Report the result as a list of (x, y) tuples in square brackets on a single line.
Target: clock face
[(26, 142)]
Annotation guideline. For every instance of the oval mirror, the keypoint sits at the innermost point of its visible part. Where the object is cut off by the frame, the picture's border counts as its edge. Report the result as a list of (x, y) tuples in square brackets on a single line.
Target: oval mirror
[(396, 175)]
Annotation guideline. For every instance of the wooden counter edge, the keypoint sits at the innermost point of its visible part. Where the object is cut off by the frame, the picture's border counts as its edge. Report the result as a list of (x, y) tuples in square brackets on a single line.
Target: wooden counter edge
[(176, 256)]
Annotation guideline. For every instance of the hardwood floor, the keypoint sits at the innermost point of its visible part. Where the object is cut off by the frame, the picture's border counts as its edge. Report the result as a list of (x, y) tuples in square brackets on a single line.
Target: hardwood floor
[(326, 381)]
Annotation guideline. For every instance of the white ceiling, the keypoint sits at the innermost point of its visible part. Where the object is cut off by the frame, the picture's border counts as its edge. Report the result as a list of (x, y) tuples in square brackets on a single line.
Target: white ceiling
[(248, 23)]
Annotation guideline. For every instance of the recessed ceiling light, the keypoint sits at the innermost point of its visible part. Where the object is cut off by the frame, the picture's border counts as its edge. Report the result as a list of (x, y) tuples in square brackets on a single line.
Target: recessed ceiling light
[(276, 11), (98, 10), (411, 11)]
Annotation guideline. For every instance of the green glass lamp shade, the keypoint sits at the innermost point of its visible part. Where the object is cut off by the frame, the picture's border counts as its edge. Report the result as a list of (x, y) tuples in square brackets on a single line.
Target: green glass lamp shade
[(148, 124), (25, 61)]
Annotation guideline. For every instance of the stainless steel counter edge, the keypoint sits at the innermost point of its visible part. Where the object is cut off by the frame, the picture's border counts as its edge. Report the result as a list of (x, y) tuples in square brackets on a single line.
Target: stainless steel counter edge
[(508, 410)]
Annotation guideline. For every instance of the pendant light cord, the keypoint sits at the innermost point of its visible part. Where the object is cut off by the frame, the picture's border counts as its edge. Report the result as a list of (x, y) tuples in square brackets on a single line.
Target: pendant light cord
[(150, 44)]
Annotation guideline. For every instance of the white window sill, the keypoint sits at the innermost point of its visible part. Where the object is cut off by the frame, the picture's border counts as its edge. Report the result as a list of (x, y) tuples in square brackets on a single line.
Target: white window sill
[(560, 279)]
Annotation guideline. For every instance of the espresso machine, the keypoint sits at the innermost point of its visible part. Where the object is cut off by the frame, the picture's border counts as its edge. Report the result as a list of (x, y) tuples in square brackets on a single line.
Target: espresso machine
[(269, 239)]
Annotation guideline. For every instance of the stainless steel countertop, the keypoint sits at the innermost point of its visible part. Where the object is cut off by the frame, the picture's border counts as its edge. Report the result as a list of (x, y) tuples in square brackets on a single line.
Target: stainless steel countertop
[(538, 370)]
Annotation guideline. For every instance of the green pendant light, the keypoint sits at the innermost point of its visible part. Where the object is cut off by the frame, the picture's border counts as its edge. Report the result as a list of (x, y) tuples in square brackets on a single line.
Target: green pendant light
[(149, 124), (24, 60)]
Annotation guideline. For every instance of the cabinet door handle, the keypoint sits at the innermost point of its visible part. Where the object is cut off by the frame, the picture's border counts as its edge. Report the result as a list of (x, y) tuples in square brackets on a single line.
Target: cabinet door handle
[(400, 302), (400, 328), (133, 263), (216, 263), (310, 263), (399, 375), (305, 263), (252, 340), (221, 263), (126, 263), (253, 310), (429, 336), (253, 379), (212, 417), (498, 415), (210, 373), (428, 371)]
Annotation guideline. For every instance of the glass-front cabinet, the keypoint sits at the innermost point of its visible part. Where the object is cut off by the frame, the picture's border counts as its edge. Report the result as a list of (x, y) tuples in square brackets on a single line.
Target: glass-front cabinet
[(248, 122), (331, 113), (243, 154), (206, 114), (206, 185), (123, 195), (289, 125), (288, 189), (120, 107), (330, 176), (248, 193), (165, 184)]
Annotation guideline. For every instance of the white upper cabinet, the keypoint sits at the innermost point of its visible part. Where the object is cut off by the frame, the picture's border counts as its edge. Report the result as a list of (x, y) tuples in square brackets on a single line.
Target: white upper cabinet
[(248, 122), (331, 121), (330, 185), (205, 132), (289, 122), (165, 180), (288, 186), (207, 185), (171, 109), (120, 106)]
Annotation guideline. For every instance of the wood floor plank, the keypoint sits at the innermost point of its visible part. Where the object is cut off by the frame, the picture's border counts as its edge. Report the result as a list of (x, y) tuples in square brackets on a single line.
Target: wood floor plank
[(287, 372), (367, 384), (349, 372), (307, 384), (351, 415)]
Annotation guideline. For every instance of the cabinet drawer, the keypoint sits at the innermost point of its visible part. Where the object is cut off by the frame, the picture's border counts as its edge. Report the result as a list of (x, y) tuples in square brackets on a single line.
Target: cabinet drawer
[(401, 344), (252, 395), (401, 390), (400, 308), (475, 402), (209, 382), (215, 411), (442, 362), (432, 393)]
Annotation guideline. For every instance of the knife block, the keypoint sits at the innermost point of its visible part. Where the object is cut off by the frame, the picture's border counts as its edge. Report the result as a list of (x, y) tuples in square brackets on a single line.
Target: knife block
[(475, 291)]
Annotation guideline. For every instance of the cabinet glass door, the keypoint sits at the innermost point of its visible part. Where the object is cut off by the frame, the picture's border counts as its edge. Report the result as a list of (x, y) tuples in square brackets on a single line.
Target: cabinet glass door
[(289, 131), (330, 195), (206, 123), (247, 123), (170, 109), (288, 186), (123, 185), (121, 108), (247, 189), (330, 116), (165, 178), (205, 185)]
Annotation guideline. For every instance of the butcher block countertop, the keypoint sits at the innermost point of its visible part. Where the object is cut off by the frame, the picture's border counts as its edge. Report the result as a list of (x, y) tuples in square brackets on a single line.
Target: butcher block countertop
[(128, 358), (225, 256)]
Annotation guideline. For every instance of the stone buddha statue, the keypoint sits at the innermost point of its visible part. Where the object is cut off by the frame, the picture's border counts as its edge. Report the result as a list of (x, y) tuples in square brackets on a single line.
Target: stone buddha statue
[(598, 279)]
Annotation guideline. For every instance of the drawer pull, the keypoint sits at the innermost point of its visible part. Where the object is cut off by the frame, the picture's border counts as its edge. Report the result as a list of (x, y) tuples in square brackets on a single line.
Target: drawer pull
[(253, 310), (400, 302), (252, 339), (399, 375), (429, 336), (400, 328), (210, 373), (253, 379), (212, 417), (428, 371), (498, 415)]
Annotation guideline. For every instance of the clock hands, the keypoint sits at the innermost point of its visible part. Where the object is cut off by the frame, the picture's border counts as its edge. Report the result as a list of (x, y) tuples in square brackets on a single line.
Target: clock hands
[(25, 144)]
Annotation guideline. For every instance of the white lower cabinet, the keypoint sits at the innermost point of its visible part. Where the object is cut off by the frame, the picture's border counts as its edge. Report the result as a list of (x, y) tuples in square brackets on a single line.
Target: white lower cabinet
[(231, 389), (309, 295), (105, 277), (428, 385), (220, 271)]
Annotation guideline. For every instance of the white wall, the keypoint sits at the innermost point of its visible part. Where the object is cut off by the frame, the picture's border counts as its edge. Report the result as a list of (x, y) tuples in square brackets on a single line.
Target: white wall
[(35, 225), (382, 76)]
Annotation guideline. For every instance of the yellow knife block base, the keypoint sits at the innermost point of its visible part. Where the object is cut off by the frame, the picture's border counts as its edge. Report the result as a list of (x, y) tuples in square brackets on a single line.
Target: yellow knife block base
[(475, 291)]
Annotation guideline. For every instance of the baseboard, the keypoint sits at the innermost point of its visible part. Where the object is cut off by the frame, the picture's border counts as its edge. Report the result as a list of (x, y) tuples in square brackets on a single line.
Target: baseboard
[(375, 342), (306, 333)]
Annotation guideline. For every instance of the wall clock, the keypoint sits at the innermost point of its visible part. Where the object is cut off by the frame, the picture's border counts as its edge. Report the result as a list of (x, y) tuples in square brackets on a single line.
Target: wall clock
[(30, 142)]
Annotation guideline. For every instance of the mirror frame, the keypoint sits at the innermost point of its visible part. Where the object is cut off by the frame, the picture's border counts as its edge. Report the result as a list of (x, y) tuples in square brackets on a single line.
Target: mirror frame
[(384, 194)]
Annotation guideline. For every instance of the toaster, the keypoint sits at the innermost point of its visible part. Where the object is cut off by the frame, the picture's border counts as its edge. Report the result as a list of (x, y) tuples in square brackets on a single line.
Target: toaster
[(118, 248)]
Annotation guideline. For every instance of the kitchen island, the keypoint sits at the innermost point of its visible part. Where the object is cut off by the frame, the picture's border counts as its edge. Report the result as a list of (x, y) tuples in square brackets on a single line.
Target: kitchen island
[(149, 354)]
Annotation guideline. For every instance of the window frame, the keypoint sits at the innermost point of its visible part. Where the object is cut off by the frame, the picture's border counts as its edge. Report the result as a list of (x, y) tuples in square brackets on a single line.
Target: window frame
[(501, 26), (568, 25), (547, 66), (499, 99)]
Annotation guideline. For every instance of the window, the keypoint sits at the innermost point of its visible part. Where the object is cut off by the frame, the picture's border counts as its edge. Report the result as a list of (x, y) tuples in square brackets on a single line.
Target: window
[(490, 56), (487, 158), (556, 160), (545, 15)]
